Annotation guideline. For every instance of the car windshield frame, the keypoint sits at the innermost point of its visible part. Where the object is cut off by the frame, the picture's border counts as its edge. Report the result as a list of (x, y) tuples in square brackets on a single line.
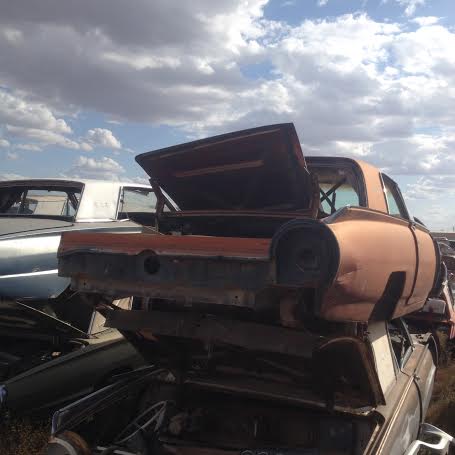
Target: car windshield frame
[(24, 188)]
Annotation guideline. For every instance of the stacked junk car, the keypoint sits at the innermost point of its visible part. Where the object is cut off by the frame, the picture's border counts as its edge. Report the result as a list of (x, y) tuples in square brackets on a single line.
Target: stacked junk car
[(48, 332), (283, 305)]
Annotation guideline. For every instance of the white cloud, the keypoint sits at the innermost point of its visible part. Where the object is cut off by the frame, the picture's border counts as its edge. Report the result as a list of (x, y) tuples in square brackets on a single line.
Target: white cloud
[(143, 180), (432, 187), (411, 6), (12, 35), (103, 137), (46, 137), (104, 168), (142, 61), (426, 20), (430, 198), (24, 118), (12, 156), (288, 3), (28, 147), (322, 2), (17, 111), (349, 83), (353, 85), (11, 176)]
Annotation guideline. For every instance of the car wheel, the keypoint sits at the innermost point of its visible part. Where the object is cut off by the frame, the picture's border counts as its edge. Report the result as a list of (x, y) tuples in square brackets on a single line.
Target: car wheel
[(68, 443)]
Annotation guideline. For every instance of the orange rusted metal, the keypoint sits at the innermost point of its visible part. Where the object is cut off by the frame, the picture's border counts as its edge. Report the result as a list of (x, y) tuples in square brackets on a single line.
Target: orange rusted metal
[(131, 244), (383, 279), (379, 265), (373, 186)]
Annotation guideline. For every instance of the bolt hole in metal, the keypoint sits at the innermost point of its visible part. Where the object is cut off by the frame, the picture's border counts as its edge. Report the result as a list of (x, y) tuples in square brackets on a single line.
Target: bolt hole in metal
[(151, 264)]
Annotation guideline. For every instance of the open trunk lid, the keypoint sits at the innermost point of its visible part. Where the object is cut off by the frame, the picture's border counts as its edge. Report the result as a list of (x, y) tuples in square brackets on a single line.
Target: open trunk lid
[(258, 168)]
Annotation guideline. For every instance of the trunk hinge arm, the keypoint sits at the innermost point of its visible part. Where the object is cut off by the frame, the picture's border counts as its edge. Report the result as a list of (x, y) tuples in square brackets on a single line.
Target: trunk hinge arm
[(160, 199)]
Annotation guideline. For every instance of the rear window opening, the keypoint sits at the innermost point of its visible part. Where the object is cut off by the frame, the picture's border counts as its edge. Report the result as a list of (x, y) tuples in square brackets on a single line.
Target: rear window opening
[(40, 201)]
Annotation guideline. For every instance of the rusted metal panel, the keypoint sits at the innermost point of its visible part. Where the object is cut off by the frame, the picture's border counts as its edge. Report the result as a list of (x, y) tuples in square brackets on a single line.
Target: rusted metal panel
[(426, 267), (186, 295), (203, 246), (378, 266), (373, 186), (216, 330), (437, 313), (355, 278)]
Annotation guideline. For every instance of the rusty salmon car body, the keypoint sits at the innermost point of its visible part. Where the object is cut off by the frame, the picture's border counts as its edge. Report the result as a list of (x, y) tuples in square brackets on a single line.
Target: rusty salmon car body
[(259, 224), (270, 305)]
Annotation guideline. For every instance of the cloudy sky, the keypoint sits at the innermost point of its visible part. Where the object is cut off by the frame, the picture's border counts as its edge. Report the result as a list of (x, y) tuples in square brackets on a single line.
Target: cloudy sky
[(87, 85)]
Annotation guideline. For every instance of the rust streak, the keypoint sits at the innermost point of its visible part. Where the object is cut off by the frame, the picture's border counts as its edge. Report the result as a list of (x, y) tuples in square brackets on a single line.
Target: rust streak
[(217, 169), (170, 245)]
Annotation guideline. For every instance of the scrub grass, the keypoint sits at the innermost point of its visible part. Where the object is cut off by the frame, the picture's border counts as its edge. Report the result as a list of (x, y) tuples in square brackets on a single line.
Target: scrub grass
[(23, 436), (442, 408)]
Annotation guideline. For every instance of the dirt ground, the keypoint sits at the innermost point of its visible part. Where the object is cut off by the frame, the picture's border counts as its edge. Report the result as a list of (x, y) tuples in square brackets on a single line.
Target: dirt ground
[(442, 408), (24, 436)]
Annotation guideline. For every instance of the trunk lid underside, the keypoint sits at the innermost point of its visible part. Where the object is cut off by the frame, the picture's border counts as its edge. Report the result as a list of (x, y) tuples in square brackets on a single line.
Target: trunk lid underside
[(259, 168)]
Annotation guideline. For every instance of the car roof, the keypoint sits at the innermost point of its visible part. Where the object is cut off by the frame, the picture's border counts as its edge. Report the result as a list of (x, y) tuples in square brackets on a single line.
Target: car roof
[(63, 181), (99, 199)]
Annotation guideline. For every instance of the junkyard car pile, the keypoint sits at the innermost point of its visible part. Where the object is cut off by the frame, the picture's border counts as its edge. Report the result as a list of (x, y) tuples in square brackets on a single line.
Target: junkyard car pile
[(271, 309), (47, 333), (439, 311)]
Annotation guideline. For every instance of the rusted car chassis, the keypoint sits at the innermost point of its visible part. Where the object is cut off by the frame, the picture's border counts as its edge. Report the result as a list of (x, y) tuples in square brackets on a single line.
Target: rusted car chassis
[(242, 241), (270, 304), (328, 268)]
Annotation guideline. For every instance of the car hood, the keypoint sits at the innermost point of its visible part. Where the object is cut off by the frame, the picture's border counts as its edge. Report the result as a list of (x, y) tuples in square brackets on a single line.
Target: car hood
[(17, 225), (17, 318), (254, 169)]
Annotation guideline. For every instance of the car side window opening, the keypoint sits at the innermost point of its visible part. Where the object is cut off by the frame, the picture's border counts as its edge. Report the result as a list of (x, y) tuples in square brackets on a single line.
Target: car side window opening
[(337, 188), (39, 201), (395, 202), (400, 341), (136, 200)]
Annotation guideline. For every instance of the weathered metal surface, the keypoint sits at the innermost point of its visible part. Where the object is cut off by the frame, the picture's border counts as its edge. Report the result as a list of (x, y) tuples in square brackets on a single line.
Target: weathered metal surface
[(359, 263), (215, 330), (40, 354), (29, 242), (333, 384), (28, 260), (356, 278), (438, 312), (167, 245), (250, 169), (384, 272), (373, 187)]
